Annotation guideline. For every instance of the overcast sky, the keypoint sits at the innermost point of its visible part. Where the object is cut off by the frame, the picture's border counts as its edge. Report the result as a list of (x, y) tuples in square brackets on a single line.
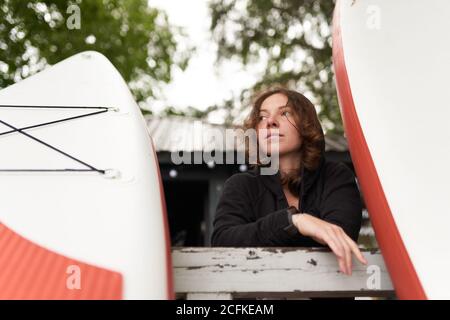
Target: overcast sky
[(201, 84)]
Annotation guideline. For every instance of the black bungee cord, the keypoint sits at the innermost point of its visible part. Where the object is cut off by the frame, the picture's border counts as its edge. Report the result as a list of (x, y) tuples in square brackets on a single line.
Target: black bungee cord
[(22, 131)]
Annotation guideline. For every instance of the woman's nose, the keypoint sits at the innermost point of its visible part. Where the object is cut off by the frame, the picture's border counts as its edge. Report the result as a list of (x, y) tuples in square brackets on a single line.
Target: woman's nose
[(272, 122)]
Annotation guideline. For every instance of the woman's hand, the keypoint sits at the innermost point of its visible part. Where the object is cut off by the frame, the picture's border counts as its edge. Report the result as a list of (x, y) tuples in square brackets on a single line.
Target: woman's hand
[(332, 235)]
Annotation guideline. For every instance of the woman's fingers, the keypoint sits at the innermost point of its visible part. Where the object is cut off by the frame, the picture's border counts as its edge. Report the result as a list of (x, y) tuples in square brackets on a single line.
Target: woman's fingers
[(347, 250), (330, 242), (356, 250), (336, 246), (341, 245)]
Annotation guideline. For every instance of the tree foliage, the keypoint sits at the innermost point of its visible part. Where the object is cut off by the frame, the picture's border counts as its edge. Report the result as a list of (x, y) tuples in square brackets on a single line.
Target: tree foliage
[(292, 38), (137, 39)]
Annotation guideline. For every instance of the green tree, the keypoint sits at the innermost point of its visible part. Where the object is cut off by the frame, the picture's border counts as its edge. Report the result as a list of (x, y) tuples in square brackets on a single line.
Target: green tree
[(189, 111), (137, 39), (292, 38)]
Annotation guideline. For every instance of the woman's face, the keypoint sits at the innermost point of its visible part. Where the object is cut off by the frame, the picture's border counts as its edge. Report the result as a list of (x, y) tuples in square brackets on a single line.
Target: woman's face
[(277, 126)]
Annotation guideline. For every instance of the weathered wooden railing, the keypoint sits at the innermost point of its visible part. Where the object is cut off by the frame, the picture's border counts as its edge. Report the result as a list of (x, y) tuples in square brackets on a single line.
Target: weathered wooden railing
[(291, 273)]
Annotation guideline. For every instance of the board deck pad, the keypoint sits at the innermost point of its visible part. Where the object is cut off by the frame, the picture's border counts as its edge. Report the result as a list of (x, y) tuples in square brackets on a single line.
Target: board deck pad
[(29, 271)]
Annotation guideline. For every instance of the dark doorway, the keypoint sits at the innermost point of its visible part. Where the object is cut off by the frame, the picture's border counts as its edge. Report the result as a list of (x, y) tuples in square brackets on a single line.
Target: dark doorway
[(186, 204)]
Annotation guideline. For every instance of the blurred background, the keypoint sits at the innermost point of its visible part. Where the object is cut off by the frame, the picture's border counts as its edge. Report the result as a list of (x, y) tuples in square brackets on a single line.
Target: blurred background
[(188, 62)]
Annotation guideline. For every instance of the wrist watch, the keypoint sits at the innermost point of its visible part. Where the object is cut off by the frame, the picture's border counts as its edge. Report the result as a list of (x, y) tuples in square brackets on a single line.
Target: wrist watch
[(291, 229)]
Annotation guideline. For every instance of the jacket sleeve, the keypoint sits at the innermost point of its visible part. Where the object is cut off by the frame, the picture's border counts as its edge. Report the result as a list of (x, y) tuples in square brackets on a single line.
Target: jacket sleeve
[(235, 224), (341, 202)]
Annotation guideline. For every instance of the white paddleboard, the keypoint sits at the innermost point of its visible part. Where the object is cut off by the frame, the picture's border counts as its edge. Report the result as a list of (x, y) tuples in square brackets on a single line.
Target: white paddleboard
[(391, 62), (82, 214)]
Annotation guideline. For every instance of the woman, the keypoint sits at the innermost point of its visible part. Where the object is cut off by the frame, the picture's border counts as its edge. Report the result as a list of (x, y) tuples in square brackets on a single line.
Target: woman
[(308, 202)]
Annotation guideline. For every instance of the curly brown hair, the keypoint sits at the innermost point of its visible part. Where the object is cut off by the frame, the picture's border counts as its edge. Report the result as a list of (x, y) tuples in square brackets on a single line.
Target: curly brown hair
[(307, 121)]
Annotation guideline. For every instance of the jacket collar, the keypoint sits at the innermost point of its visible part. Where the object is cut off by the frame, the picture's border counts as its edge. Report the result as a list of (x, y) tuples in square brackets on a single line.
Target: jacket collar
[(273, 182)]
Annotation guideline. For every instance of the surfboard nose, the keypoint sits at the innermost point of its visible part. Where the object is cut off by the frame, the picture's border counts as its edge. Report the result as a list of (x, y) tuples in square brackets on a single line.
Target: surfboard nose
[(69, 127)]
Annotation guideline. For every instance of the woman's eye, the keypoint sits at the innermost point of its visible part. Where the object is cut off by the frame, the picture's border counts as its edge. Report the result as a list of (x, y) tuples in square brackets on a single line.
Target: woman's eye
[(286, 113), (262, 118)]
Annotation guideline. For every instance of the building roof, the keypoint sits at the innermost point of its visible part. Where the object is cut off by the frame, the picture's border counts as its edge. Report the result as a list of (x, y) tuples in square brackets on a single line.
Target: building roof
[(176, 133)]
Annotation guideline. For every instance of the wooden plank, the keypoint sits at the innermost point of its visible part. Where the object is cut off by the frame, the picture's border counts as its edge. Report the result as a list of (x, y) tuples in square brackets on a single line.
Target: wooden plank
[(277, 273), (209, 296)]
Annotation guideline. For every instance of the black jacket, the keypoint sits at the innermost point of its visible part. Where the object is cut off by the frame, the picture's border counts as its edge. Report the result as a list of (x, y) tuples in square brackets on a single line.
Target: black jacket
[(252, 207)]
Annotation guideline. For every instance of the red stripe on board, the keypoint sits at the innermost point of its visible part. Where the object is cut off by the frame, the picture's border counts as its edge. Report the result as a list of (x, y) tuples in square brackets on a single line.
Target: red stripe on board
[(29, 271), (398, 262), (170, 287)]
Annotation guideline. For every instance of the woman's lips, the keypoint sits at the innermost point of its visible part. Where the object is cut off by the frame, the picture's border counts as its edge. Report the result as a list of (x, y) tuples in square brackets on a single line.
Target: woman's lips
[(273, 135)]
